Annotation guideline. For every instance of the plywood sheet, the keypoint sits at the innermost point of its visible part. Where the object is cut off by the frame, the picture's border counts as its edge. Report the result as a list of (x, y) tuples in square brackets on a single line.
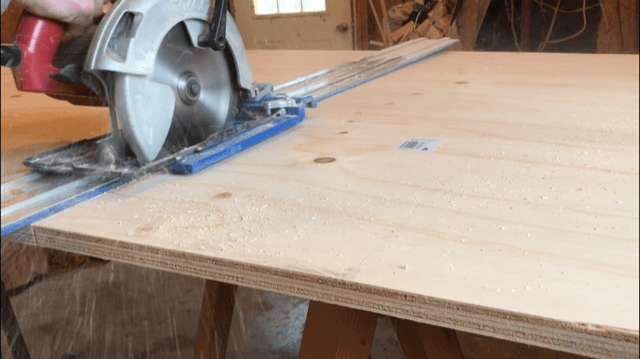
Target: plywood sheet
[(521, 225)]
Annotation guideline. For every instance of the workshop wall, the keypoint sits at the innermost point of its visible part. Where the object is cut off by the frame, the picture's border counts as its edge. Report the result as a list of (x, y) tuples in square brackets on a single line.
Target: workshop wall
[(606, 26), (589, 26)]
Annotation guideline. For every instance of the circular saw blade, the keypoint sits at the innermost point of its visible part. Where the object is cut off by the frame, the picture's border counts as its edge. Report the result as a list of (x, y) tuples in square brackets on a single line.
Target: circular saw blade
[(203, 98)]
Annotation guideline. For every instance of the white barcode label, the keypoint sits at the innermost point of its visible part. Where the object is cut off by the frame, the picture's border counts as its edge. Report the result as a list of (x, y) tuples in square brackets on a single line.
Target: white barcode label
[(419, 144)]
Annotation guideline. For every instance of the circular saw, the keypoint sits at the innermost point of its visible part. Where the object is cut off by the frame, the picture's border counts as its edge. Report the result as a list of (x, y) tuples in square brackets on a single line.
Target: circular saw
[(174, 74), (169, 86), (177, 83)]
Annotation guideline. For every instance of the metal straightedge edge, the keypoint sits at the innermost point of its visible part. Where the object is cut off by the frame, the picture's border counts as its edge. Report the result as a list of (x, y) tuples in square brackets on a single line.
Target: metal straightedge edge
[(61, 206), (308, 79), (218, 152), (210, 156), (330, 82)]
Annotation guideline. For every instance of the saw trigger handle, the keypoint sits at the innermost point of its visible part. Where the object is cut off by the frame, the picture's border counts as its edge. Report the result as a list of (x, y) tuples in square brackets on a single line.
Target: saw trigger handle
[(217, 36)]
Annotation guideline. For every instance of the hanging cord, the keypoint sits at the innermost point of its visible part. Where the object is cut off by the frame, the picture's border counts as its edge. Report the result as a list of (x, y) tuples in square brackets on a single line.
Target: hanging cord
[(580, 9), (553, 20), (556, 10), (584, 26), (512, 22)]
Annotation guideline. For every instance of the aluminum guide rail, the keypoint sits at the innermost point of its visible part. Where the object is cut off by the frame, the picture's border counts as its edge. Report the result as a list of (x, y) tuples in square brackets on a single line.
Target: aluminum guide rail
[(330, 82), (33, 196), (53, 193)]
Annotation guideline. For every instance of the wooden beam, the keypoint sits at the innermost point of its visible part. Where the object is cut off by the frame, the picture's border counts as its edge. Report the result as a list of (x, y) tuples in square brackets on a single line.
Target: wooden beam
[(361, 31), (403, 31), (10, 21), (468, 23), (10, 327), (483, 6), (336, 332), (475, 346), (469, 20), (609, 34), (525, 25), (628, 12), (22, 263), (421, 340), (218, 302), (385, 22), (378, 23)]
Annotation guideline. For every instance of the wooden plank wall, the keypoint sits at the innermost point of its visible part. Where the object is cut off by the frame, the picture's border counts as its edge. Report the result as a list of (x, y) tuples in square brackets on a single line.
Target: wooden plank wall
[(617, 30), (618, 27), (374, 33), (469, 19), (9, 21)]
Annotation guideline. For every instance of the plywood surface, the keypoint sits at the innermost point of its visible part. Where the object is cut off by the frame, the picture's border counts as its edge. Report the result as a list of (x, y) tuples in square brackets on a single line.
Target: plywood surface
[(521, 225), (33, 123)]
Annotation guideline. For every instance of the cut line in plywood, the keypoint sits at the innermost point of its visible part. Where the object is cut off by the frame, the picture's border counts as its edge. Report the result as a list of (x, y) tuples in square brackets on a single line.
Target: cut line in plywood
[(522, 225)]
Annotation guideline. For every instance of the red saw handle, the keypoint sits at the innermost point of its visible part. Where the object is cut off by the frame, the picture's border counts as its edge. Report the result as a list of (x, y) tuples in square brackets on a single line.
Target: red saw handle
[(38, 39)]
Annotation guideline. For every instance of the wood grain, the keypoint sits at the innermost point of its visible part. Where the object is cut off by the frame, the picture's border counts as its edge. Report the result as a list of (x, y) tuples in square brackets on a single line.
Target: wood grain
[(335, 332), (218, 302), (34, 123), (522, 225), (421, 341), (33, 120), (481, 347)]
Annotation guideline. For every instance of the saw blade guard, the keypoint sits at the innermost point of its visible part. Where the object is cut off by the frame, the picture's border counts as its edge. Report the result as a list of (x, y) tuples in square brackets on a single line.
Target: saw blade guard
[(129, 37)]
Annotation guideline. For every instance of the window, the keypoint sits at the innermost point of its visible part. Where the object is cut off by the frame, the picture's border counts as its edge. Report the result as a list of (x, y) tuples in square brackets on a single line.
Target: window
[(270, 7)]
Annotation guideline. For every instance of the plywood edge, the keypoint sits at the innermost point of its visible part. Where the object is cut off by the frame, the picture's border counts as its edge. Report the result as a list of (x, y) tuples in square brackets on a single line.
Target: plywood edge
[(577, 338)]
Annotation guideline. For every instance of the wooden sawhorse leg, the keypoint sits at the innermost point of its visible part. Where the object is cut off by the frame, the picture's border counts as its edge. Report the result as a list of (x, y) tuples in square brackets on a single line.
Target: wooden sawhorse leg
[(11, 329), (419, 340), (332, 331), (218, 302)]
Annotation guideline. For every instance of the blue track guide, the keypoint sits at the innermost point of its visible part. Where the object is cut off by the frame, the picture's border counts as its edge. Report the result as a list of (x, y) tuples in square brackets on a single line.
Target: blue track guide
[(215, 153)]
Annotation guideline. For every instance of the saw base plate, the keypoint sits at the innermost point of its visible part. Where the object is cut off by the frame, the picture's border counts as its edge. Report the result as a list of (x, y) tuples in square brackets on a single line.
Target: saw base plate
[(250, 127)]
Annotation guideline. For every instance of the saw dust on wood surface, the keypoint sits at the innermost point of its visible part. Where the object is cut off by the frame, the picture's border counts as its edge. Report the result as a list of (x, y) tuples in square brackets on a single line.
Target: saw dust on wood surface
[(522, 224)]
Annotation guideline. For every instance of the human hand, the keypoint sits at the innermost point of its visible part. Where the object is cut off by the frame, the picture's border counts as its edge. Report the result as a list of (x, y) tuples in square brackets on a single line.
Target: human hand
[(79, 14)]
